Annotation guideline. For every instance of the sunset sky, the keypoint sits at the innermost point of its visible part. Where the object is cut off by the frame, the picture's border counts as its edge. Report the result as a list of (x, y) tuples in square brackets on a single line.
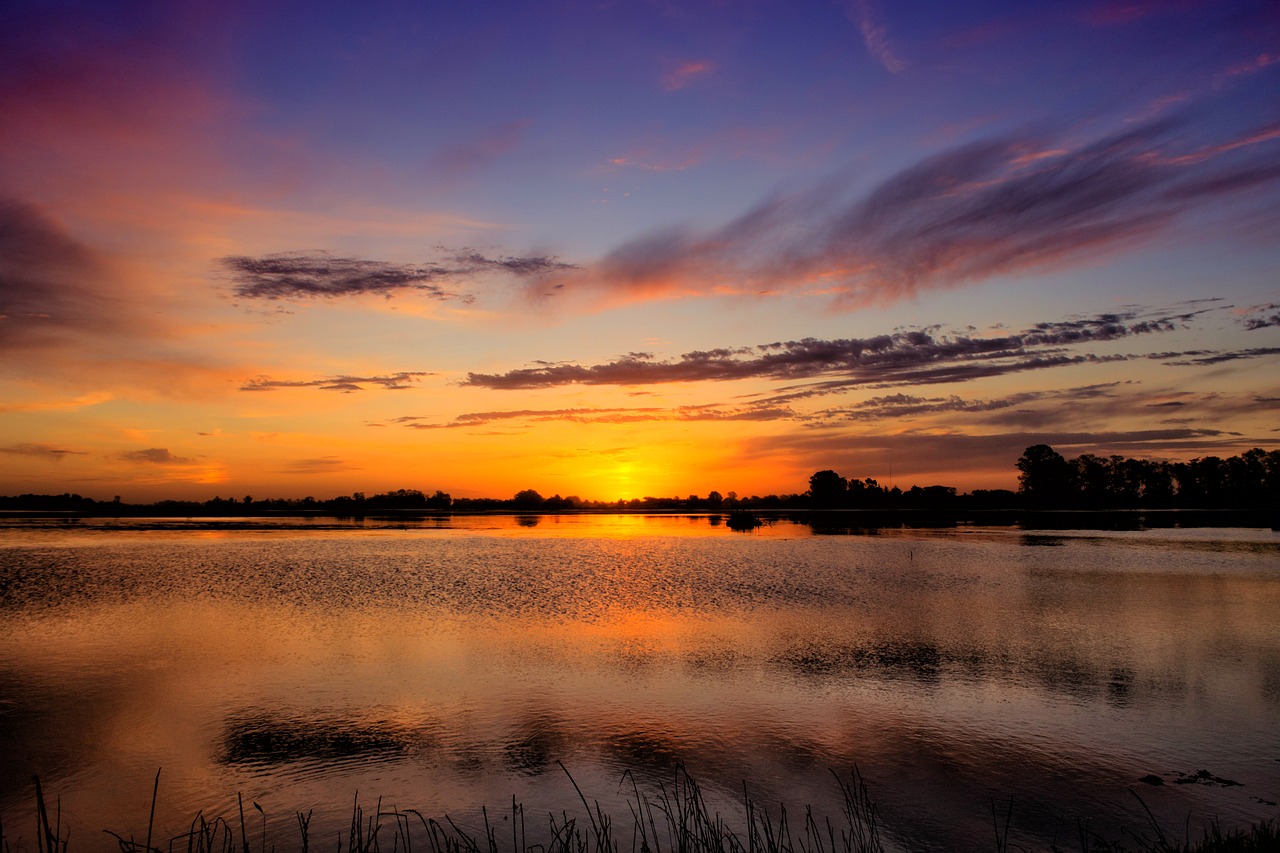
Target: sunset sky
[(616, 249)]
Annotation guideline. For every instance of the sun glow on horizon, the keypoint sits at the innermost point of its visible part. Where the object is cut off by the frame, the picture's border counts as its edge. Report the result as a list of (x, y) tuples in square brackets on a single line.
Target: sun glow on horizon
[(221, 275)]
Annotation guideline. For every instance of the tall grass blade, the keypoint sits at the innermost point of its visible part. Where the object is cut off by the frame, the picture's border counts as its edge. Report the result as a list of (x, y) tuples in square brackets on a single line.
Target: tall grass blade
[(151, 820)]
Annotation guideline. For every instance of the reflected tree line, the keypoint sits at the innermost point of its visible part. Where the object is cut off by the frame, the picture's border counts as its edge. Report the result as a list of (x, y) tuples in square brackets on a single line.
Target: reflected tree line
[(1046, 480)]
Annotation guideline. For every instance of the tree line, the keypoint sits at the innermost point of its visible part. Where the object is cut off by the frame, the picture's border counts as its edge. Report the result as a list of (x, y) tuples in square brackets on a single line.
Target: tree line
[(1046, 480)]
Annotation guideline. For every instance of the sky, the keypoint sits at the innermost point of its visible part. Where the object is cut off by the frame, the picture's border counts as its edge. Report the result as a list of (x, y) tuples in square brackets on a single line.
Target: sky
[(617, 249)]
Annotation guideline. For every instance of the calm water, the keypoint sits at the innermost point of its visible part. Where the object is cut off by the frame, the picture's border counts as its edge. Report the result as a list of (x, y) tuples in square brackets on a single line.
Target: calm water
[(452, 664)]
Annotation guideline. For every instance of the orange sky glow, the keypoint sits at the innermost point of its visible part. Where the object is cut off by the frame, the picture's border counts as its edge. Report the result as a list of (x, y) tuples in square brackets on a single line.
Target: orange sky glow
[(616, 252)]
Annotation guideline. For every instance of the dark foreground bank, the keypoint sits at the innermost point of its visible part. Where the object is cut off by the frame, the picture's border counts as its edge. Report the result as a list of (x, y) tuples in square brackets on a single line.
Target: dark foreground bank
[(673, 818)]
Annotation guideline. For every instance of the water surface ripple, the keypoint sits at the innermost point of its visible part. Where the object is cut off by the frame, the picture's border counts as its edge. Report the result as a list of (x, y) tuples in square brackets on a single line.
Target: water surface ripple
[(451, 665)]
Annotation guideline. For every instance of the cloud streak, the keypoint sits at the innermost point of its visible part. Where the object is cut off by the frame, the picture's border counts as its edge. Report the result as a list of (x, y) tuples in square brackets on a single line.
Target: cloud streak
[(897, 407), (344, 384), (51, 285), (685, 73), (922, 356), (321, 465), (874, 35), (41, 451), (155, 456), (1261, 317), (1047, 409), (303, 275), (1202, 359), (1053, 409), (984, 209), (620, 415)]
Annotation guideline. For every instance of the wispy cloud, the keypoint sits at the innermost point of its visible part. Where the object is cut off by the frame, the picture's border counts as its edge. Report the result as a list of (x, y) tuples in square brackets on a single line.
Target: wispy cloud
[(1201, 359), (685, 73), (621, 415), (155, 456), (1251, 66), (303, 275), (59, 405), (677, 152), (1002, 364), (923, 356), (979, 210), (51, 285), (1120, 13), (897, 407), (42, 451), (321, 465), (1052, 409), (344, 384), (874, 35), (487, 147), (1261, 316)]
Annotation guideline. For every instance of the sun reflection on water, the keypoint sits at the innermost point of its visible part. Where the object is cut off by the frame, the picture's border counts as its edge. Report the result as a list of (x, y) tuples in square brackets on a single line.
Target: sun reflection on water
[(446, 669)]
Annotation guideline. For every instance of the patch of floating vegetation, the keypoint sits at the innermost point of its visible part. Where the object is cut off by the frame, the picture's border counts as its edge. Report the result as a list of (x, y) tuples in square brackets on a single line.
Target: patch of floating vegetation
[(1200, 777)]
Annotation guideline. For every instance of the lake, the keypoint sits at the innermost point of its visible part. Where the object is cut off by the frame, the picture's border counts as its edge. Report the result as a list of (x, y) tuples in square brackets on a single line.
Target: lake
[(452, 663)]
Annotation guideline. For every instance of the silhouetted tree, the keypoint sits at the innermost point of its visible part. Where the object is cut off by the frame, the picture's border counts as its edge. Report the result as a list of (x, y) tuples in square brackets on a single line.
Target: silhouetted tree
[(1045, 478), (527, 499), (866, 494), (1092, 475), (930, 497), (1156, 483), (827, 488), (398, 499)]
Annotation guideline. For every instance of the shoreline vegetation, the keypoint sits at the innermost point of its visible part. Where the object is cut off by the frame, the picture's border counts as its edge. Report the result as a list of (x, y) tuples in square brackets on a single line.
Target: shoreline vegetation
[(673, 818), (1053, 491), (821, 522)]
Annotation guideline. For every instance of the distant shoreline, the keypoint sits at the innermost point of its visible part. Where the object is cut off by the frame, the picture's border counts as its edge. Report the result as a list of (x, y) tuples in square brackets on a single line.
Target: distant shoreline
[(822, 520)]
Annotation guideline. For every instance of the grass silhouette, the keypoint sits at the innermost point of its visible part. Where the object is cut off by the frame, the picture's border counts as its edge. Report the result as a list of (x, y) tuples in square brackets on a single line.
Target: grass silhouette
[(673, 819)]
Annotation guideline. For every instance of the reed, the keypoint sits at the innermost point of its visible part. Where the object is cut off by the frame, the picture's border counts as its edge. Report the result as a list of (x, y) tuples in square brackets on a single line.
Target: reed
[(673, 819)]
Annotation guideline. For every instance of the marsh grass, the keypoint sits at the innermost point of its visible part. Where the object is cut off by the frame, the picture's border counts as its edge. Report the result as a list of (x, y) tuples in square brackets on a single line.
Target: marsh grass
[(674, 818)]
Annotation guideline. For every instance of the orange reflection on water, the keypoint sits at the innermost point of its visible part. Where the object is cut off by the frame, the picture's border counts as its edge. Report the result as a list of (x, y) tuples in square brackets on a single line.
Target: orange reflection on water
[(448, 668), (611, 525)]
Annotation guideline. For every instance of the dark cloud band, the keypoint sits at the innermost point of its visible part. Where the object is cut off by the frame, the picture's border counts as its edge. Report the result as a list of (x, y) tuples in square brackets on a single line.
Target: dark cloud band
[(41, 451), (301, 275), (1262, 317), (344, 384), (623, 415), (154, 456), (922, 355)]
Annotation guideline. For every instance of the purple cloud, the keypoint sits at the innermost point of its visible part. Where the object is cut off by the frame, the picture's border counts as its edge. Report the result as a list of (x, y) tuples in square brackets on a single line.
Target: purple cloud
[(921, 356), (298, 275), (978, 210), (1261, 316), (1205, 358), (51, 285), (708, 412)]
